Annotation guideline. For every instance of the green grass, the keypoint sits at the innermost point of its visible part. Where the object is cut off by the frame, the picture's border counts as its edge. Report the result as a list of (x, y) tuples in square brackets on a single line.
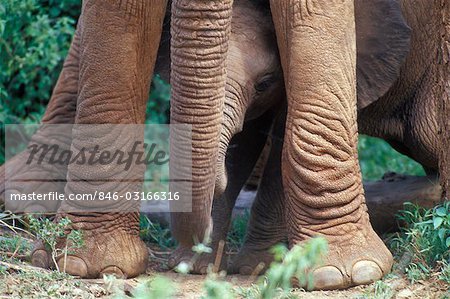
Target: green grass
[(424, 242), (379, 290), (237, 232), (155, 233)]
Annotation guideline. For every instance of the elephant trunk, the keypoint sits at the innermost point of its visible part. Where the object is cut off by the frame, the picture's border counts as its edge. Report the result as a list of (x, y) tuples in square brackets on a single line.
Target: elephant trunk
[(199, 45), (233, 121)]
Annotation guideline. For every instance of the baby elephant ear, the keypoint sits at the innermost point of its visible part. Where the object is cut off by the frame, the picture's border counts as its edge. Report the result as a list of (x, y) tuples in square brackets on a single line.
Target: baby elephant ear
[(382, 42)]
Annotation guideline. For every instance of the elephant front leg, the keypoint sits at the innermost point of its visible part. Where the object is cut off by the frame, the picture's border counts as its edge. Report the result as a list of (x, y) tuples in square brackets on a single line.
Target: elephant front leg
[(118, 42), (321, 173)]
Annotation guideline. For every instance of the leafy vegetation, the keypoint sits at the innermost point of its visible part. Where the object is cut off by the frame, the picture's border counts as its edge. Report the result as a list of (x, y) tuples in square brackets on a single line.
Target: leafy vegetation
[(14, 244), (50, 232), (376, 157), (157, 287), (379, 290), (156, 233), (424, 241), (277, 281), (238, 228), (293, 263)]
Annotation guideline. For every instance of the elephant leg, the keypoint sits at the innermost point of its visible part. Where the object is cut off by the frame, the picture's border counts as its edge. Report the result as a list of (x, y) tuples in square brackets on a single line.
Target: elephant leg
[(119, 42), (266, 226), (243, 153), (60, 110), (321, 174)]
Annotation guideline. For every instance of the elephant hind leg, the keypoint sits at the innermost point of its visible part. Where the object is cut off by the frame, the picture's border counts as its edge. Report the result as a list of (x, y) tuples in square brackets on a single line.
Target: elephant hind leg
[(267, 226), (60, 110)]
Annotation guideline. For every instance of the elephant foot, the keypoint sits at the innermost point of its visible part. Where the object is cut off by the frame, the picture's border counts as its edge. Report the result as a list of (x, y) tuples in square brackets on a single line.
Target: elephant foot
[(357, 258), (250, 261), (107, 249), (198, 264)]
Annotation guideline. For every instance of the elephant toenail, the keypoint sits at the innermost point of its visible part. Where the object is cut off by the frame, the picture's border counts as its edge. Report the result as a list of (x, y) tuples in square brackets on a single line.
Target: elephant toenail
[(113, 270), (39, 258), (365, 272), (74, 266), (328, 277)]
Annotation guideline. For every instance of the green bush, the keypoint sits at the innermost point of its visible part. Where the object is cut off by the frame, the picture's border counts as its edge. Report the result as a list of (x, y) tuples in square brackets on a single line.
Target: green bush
[(377, 157), (425, 240), (35, 37)]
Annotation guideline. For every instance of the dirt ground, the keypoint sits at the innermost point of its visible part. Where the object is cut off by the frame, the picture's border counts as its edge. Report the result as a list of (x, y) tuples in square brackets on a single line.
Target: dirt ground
[(17, 284), (18, 279)]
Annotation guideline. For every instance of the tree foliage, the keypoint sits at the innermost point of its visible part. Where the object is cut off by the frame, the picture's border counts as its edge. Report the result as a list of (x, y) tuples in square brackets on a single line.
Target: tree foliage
[(35, 37)]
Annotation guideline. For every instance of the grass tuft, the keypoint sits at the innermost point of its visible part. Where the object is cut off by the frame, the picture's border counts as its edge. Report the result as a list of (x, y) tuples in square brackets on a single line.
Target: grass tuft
[(424, 242)]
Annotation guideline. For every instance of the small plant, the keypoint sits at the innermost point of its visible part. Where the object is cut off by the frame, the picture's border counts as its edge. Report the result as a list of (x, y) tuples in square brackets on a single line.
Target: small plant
[(14, 243), (425, 239), (51, 232), (216, 288), (445, 272), (156, 233), (379, 290), (277, 282), (156, 288), (237, 232), (23, 281), (293, 263), (3, 270)]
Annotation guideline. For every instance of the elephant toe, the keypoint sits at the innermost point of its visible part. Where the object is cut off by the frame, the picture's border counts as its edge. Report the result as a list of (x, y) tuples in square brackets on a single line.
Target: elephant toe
[(365, 272), (250, 262), (180, 255), (73, 265), (113, 270), (40, 258), (328, 278)]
